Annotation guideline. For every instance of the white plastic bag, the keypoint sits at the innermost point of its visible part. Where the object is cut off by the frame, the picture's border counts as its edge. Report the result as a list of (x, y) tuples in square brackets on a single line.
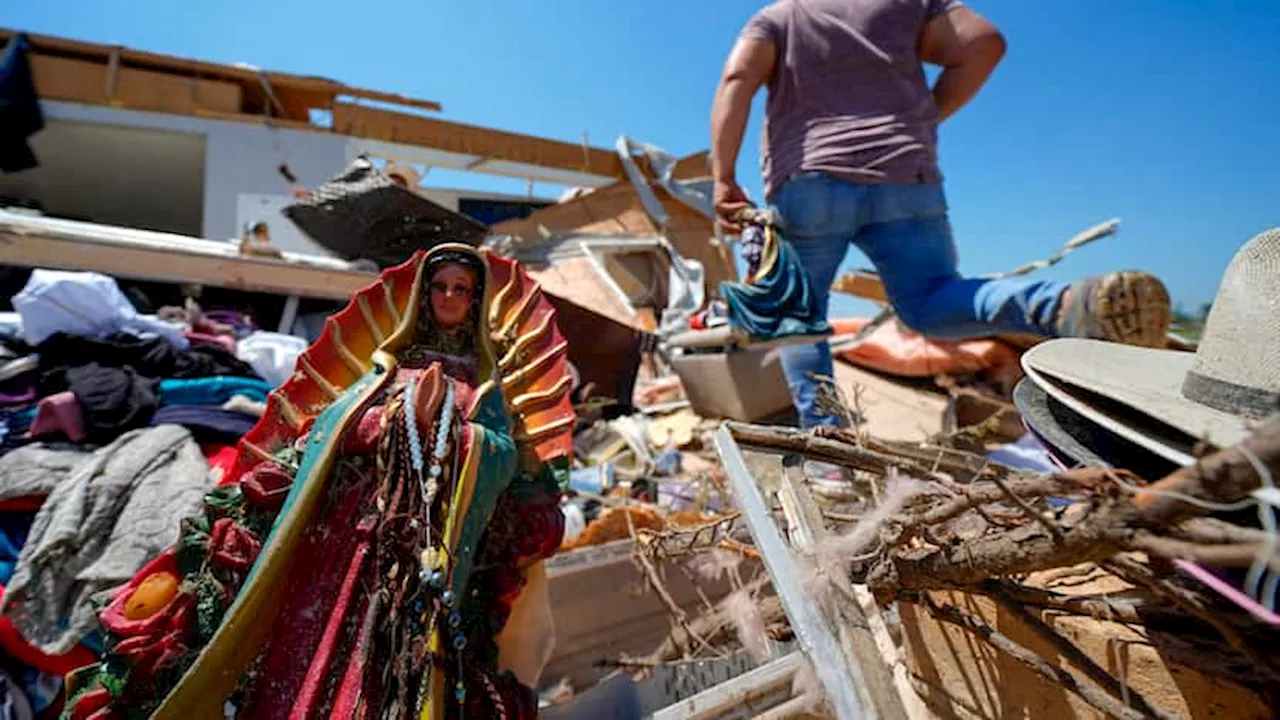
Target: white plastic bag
[(84, 304), (273, 356)]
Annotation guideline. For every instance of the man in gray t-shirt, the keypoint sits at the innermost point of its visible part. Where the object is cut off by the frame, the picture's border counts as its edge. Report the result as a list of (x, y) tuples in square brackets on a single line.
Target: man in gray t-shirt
[(849, 154)]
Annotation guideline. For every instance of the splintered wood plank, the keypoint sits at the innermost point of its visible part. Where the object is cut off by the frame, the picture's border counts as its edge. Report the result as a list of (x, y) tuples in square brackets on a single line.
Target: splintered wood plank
[(144, 255), (863, 633), (861, 284), (843, 683)]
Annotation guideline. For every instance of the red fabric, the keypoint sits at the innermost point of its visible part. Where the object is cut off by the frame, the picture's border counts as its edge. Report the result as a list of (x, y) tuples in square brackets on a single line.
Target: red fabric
[(16, 647), (26, 503), (220, 457), (317, 678), (524, 530), (308, 597)]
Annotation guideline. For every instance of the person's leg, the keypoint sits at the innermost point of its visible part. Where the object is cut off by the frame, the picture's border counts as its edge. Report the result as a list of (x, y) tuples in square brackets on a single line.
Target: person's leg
[(908, 238), (819, 219)]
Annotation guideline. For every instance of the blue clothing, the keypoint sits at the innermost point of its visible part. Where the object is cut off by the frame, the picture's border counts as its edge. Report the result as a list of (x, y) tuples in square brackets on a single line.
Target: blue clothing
[(212, 390), (13, 427), (904, 231), (15, 525)]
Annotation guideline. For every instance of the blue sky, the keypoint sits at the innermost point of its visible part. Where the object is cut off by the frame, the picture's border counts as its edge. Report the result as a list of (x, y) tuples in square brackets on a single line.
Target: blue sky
[(1165, 114)]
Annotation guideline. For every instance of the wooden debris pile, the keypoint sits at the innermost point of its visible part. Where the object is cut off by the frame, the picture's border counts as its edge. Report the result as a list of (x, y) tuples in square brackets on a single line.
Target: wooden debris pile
[(937, 523)]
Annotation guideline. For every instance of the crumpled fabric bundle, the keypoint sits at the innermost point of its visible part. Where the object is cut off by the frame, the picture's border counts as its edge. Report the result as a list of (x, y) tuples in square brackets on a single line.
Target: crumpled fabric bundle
[(83, 304), (272, 355), (119, 509), (34, 470), (13, 702), (20, 112), (779, 304)]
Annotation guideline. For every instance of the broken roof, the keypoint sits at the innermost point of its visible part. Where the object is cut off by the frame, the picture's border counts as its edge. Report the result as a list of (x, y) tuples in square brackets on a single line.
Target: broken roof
[(116, 76)]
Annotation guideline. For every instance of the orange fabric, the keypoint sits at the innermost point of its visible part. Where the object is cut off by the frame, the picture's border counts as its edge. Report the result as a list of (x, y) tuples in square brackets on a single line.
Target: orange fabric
[(894, 350)]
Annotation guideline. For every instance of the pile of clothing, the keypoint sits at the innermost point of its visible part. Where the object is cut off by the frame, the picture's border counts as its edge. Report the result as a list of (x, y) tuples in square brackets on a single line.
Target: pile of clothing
[(113, 426)]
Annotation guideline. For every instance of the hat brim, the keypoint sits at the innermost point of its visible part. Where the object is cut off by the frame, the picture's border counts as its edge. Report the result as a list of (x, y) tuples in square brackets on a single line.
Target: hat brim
[(1143, 379), (1135, 395), (1047, 419), (1078, 441)]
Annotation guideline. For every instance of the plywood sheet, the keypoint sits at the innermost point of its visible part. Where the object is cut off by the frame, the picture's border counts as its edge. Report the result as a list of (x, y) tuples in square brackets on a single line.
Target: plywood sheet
[(617, 209), (575, 279), (962, 677), (893, 410), (84, 81), (297, 93)]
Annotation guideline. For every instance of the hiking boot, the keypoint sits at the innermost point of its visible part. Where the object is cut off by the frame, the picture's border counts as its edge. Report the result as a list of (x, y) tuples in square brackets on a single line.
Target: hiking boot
[(1124, 307)]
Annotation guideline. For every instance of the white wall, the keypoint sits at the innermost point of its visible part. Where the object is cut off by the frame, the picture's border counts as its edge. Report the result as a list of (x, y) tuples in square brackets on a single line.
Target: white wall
[(242, 183), (128, 176), (240, 158)]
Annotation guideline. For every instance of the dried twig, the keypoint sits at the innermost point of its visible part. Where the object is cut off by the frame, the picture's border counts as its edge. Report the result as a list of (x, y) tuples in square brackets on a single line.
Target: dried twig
[(742, 549), (655, 581), (1048, 524), (1102, 608)]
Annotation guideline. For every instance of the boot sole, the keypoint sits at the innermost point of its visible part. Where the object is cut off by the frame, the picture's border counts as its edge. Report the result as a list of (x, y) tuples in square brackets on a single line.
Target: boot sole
[(1133, 308)]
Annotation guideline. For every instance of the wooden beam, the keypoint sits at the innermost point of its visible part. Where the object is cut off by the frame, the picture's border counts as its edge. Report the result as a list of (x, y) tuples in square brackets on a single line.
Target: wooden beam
[(209, 70), (864, 637), (125, 253), (843, 684), (377, 124), (232, 92)]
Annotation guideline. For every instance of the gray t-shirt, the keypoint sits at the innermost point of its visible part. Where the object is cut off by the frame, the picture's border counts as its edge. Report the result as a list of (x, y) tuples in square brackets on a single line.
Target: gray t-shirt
[(848, 94)]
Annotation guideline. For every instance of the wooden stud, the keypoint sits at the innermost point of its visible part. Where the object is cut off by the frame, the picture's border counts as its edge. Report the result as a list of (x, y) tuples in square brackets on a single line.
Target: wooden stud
[(815, 637)]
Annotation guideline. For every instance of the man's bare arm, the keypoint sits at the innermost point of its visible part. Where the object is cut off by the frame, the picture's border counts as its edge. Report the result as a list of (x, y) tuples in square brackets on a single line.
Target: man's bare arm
[(749, 66), (968, 48)]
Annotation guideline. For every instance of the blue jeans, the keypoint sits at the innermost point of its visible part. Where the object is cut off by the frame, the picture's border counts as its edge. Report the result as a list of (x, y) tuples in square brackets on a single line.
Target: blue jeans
[(903, 230)]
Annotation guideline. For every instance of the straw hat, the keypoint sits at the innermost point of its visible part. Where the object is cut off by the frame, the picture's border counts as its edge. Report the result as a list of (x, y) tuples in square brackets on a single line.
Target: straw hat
[(1166, 400)]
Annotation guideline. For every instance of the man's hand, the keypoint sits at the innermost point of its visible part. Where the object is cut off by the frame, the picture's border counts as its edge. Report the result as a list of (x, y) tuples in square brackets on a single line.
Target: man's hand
[(730, 200)]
